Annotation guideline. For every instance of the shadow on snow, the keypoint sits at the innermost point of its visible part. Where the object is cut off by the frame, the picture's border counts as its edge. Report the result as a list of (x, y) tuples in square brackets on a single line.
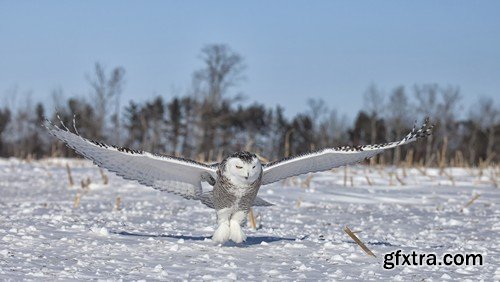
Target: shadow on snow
[(253, 240)]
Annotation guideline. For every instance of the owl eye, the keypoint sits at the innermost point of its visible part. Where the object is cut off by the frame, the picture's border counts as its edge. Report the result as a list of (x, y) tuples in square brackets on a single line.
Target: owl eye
[(239, 167), (253, 167)]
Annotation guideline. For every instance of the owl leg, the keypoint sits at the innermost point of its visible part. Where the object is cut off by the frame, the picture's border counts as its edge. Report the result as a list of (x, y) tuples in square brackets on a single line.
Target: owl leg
[(236, 234), (222, 232)]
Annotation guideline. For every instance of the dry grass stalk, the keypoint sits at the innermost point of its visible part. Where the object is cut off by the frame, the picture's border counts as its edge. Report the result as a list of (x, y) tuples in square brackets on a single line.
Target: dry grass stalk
[(399, 179), (423, 171), (53, 150), (76, 202), (306, 183), (287, 142), (442, 161), (430, 160), (382, 160), (373, 161), (118, 202), (470, 202), (292, 181), (105, 178), (381, 170), (299, 202), (358, 241), (352, 181), (211, 155), (494, 182), (48, 171), (263, 159), (85, 183), (391, 182), (489, 159), (201, 157), (459, 159), (494, 179), (70, 177), (450, 176), (481, 167), (220, 156), (251, 219), (368, 180), (409, 158), (345, 176)]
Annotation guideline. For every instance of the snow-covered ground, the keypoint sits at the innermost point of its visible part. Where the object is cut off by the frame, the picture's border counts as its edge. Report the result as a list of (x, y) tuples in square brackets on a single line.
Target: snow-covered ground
[(156, 235)]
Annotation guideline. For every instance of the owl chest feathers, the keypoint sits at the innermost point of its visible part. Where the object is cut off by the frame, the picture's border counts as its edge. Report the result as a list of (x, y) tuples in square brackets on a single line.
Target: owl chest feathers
[(228, 194)]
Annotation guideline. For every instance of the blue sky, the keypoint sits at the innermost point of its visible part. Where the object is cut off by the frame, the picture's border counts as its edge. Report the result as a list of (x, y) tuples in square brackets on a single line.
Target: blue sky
[(294, 50)]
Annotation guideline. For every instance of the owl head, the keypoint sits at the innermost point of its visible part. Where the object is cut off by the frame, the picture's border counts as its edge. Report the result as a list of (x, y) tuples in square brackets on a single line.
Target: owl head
[(243, 168)]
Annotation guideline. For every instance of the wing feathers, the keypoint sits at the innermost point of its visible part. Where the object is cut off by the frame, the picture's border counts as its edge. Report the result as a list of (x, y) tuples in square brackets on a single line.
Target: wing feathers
[(165, 173), (334, 157), (207, 198)]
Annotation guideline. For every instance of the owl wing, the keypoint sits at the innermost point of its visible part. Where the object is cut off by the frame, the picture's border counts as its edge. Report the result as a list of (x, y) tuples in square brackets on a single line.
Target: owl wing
[(165, 173), (334, 157)]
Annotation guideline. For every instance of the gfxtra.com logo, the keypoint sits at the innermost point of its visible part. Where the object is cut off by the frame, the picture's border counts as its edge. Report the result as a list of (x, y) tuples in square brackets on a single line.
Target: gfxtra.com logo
[(398, 258)]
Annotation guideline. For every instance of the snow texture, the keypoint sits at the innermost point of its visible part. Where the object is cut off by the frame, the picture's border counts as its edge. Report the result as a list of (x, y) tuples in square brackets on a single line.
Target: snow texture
[(157, 235)]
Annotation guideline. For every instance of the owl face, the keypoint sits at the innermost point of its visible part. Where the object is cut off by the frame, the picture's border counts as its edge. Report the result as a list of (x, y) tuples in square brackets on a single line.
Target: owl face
[(243, 170)]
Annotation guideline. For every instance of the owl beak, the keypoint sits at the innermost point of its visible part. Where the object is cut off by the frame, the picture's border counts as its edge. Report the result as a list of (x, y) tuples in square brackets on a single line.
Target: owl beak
[(248, 175)]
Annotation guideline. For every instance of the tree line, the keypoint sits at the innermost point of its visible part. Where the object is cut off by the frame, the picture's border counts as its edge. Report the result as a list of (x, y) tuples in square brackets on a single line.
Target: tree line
[(210, 122)]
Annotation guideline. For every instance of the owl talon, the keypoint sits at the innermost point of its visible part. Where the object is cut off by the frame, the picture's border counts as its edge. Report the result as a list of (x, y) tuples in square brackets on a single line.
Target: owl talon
[(236, 234), (221, 235)]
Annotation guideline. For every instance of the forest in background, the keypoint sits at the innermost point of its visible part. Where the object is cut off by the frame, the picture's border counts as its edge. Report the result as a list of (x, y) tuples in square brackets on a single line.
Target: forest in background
[(211, 121)]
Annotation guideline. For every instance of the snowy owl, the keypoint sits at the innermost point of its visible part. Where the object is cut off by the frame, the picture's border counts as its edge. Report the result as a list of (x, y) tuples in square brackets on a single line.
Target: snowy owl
[(236, 179)]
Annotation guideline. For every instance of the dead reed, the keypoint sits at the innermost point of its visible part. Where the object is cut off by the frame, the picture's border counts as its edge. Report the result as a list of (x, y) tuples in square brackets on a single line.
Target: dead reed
[(76, 201), (345, 176), (307, 182), (118, 202), (70, 177), (104, 176), (358, 241), (399, 179), (251, 219), (470, 202)]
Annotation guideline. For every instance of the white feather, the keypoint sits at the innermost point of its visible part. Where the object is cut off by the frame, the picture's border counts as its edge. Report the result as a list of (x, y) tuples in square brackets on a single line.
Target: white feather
[(235, 233), (223, 231), (333, 157), (164, 173)]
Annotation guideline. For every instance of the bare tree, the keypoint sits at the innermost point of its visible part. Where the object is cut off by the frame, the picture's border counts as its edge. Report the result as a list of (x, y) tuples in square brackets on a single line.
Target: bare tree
[(174, 121), (106, 93), (447, 109), (188, 106), (20, 129), (223, 69), (5, 117), (318, 113), (486, 117), (397, 116), (335, 129), (427, 96), (374, 106)]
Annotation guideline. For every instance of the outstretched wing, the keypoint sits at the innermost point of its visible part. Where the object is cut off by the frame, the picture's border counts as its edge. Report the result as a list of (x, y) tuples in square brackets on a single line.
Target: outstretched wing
[(334, 157), (165, 173)]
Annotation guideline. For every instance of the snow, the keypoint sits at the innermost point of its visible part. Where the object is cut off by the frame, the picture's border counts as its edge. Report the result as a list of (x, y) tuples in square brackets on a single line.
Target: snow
[(155, 235)]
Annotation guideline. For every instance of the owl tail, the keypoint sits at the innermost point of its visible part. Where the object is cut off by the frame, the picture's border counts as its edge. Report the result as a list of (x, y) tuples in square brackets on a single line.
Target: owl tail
[(207, 199)]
